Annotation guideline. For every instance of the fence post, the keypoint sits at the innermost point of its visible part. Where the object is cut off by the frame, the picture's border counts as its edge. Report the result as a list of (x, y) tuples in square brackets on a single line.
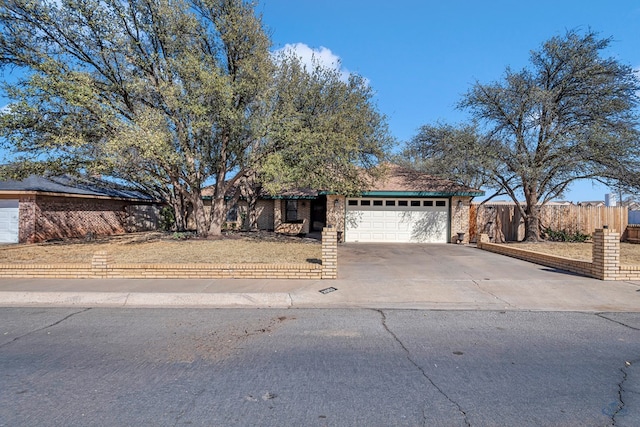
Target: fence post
[(606, 254), (329, 253)]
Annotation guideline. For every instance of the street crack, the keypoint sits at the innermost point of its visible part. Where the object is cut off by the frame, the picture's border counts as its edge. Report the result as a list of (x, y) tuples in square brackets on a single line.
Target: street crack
[(621, 406), (419, 368), (621, 403), (602, 316), (492, 294), (45, 327)]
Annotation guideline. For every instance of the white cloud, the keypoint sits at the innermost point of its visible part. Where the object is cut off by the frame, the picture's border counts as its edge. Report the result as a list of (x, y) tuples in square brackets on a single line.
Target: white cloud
[(321, 55), (6, 109)]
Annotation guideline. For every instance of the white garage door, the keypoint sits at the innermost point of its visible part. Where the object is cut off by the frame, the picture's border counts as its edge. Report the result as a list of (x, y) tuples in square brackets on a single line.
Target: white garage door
[(8, 221), (397, 220)]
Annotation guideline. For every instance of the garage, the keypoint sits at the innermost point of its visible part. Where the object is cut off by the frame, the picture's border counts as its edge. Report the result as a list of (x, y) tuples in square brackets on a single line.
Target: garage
[(9, 221), (410, 220)]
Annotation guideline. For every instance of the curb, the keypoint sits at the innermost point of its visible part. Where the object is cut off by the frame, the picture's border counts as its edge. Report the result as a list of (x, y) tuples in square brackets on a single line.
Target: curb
[(141, 299)]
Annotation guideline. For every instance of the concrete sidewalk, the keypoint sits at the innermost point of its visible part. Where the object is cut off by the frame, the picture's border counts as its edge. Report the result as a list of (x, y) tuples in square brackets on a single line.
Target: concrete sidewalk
[(370, 276)]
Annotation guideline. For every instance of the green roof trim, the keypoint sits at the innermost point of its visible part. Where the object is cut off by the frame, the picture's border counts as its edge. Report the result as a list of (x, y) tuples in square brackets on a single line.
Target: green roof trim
[(276, 197), (421, 193)]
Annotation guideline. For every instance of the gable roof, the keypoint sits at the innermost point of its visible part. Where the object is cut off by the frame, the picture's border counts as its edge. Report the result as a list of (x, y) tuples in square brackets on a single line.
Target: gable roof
[(73, 186), (397, 182), (401, 181)]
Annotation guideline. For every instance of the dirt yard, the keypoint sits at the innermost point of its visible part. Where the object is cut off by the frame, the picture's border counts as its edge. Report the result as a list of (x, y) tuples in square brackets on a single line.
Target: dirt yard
[(155, 247), (629, 253)]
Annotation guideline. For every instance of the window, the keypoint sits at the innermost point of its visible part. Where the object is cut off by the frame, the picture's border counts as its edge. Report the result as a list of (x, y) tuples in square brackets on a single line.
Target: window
[(441, 203), (415, 203), (291, 213), (365, 203), (390, 203), (232, 214), (353, 202), (427, 203), (377, 203), (402, 203)]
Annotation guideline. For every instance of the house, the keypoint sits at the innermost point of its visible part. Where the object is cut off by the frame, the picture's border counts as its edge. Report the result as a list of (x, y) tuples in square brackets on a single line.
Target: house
[(403, 207), (39, 209), (592, 203)]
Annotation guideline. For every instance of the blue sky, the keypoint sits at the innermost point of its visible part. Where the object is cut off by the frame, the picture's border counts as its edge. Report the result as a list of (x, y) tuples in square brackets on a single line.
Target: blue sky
[(422, 56)]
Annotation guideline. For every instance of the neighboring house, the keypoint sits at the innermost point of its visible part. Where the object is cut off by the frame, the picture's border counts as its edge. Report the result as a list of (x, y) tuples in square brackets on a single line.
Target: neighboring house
[(406, 206), (39, 209), (592, 203)]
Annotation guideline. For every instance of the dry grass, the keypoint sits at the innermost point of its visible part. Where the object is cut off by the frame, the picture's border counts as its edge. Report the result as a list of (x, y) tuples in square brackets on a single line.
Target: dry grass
[(161, 248), (629, 253)]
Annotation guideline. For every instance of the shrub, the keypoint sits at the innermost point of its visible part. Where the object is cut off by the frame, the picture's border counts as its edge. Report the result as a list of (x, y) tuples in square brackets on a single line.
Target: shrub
[(565, 236), (167, 218)]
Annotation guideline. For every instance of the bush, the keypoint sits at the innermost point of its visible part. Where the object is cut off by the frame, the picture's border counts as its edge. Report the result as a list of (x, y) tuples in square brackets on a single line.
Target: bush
[(565, 236), (167, 218)]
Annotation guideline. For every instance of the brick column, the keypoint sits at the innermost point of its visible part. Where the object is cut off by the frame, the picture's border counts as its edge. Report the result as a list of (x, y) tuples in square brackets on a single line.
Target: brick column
[(100, 262), (606, 254), (336, 214), (329, 253), (28, 213), (484, 238)]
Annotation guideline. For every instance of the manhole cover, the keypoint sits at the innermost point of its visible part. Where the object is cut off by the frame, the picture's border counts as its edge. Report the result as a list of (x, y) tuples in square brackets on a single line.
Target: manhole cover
[(327, 290)]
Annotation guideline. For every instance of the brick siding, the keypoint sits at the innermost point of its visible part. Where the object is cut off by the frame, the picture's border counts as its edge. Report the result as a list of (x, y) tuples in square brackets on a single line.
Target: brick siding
[(44, 218)]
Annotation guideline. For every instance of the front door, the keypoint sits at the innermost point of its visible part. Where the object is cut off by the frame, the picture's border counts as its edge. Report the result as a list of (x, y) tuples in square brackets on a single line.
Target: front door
[(318, 213)]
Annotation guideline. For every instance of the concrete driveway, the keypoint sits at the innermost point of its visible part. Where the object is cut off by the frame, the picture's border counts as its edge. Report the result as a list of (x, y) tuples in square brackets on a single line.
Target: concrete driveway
[(463, 277), (389, 262)]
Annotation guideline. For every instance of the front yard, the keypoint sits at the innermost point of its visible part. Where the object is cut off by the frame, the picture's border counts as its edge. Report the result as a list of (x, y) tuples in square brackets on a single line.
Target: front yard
[(167, 248), (629, 253)]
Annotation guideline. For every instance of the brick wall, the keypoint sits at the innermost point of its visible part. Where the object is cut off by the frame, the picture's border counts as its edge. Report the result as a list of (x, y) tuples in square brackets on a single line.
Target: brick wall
[(163, 271), (50, 217), (102, 266), (604, 265)]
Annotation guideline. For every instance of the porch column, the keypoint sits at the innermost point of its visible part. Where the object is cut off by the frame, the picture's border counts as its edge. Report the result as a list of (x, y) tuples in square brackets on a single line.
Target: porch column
[(336, 214), (460, 211)]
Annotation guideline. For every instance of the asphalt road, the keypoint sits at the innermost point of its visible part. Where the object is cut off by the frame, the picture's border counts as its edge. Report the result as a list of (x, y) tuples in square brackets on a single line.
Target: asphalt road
[(169, 367)]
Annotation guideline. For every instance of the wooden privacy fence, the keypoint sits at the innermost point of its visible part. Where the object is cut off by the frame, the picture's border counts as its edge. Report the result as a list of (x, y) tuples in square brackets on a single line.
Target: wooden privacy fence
[(503, 221)]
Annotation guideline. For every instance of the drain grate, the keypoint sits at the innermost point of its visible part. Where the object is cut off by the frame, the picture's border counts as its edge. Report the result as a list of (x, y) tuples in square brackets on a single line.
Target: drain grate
[(327, 290)]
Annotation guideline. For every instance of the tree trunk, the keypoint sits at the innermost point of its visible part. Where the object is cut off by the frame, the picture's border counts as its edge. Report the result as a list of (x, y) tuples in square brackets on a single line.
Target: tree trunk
[(218, 213), (250, 190), (179, 209), (202, 222), (532, 223)]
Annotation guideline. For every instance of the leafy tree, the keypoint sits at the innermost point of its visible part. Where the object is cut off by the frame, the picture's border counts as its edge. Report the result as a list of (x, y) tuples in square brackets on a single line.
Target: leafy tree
[(172, 95), (325, 131), (569, 116), (450, 151), (321, 131), (163, 93)]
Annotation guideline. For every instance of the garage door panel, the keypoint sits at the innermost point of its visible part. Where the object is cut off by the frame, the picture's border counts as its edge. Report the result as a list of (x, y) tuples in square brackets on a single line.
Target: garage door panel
[(9, 221), (418, 223), (429, 227)]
